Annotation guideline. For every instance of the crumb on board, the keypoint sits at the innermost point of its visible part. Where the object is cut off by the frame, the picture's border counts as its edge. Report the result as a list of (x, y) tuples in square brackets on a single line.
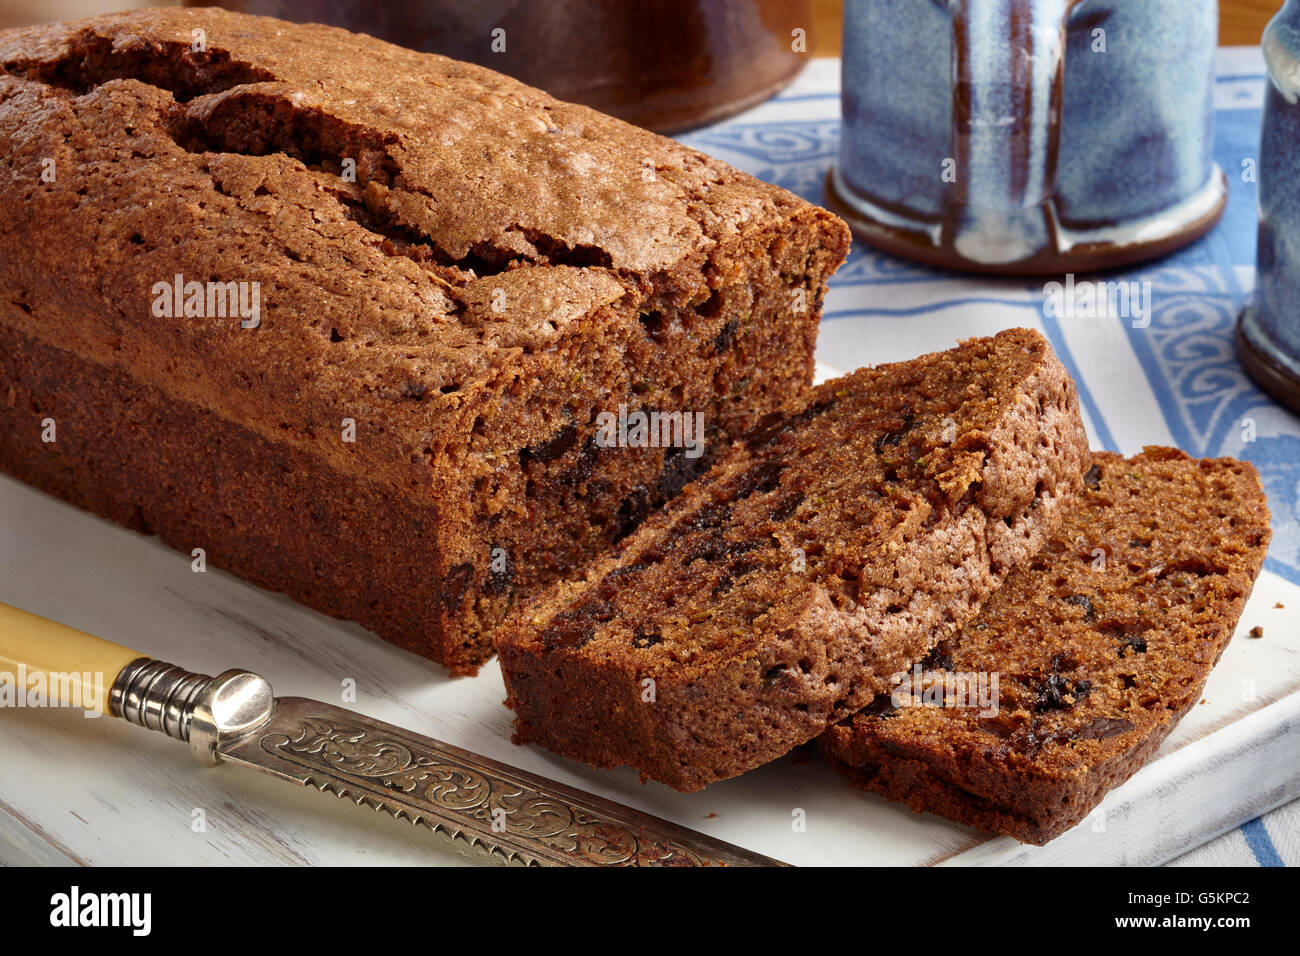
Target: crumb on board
[(1280, 606), (711, 816), (1256, 631)]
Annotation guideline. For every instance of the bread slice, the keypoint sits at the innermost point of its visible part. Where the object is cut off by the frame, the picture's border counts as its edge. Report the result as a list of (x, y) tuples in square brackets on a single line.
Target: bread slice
[(1100, 643), (829, 549)]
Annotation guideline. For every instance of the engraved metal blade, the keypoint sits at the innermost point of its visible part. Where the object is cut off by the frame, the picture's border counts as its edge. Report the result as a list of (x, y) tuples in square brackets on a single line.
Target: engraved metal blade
[(484, 809)]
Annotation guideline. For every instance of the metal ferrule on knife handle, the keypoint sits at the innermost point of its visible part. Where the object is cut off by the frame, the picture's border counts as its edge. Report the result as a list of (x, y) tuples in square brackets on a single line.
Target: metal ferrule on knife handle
[(157, 695), (484, 809)]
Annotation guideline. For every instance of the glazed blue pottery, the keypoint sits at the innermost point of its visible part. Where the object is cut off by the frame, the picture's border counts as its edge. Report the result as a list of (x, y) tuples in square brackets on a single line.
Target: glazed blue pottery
[(1268, 333), (1028, 136)]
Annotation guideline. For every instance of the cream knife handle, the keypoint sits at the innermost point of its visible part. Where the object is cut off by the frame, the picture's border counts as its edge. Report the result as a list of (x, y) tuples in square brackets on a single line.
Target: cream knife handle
[(81, 670), (78, 669)]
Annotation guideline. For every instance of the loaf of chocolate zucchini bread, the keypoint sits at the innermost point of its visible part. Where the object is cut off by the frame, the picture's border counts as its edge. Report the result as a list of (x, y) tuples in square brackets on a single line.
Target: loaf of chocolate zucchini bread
[(827, 550), (346, 316), (1099, 645)]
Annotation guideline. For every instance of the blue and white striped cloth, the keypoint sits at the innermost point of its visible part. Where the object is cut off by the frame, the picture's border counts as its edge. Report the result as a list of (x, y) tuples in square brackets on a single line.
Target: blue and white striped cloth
[(1175, 382)]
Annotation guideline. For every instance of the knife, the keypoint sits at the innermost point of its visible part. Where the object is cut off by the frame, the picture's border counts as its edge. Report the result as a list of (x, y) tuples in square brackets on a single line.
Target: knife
[(482, 809)]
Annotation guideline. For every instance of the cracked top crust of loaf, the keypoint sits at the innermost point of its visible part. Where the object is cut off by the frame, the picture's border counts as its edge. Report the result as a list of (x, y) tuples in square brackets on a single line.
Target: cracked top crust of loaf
[(225, 165)]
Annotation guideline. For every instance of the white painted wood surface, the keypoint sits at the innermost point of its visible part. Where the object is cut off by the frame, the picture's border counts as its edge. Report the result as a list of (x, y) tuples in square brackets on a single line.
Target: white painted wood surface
[(97, 791)]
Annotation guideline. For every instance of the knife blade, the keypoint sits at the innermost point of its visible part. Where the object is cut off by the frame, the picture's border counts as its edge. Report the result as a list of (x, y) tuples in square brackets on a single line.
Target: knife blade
[(481, 809)]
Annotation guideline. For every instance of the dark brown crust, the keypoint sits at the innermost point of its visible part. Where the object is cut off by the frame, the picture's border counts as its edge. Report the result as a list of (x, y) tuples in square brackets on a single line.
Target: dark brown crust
[(1144, 637), (733, 691), (504, 268), (267, 512)]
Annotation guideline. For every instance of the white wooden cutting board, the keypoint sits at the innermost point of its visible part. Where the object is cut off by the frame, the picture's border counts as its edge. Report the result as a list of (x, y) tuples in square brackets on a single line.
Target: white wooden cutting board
[(98, 791)]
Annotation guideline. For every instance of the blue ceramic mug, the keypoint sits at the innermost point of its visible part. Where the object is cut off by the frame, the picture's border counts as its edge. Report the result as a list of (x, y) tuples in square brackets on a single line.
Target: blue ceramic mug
[(1029, 135), (1268, 333)]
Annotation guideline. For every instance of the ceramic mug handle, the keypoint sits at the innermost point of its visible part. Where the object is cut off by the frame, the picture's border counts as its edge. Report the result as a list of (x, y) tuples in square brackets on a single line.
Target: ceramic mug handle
[(1008, 78)]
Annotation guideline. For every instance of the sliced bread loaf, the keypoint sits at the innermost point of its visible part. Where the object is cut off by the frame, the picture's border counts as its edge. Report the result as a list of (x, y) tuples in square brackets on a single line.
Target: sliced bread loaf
[(345, 315)]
